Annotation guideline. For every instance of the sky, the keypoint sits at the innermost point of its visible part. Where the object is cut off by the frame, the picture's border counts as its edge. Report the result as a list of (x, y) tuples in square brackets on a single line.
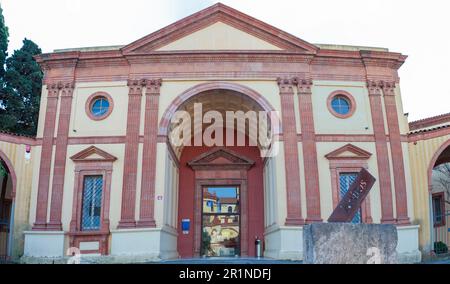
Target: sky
[(419, 29)]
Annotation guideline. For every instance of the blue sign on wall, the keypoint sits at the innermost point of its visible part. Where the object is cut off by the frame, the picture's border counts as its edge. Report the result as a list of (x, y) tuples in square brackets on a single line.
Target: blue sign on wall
[(185, 226)]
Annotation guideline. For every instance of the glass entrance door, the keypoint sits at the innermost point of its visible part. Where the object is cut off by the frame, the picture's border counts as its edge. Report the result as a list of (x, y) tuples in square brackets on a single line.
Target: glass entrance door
[(220, 222)]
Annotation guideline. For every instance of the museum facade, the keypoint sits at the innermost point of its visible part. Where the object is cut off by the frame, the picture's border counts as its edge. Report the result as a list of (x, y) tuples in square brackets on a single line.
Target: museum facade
[(105, 176)]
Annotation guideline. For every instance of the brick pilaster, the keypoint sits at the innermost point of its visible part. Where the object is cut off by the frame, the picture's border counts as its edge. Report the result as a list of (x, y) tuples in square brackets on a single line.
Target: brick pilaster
[(46, 157), (374, 88), (292, 167), (59, 166), (146, 216), (310, 167), (396, 152), (131, 155)]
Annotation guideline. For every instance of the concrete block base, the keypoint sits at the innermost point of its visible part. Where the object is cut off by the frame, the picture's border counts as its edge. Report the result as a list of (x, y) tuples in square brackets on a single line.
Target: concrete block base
[(283, 242), (145, 244), (44, 244)]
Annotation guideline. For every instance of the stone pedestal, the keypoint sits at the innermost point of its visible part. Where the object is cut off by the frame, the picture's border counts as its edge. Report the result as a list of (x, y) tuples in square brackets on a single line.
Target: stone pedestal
[(345, 243)]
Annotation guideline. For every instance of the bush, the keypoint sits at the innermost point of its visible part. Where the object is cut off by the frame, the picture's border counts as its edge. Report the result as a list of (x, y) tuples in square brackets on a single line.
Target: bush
[(440, 247)]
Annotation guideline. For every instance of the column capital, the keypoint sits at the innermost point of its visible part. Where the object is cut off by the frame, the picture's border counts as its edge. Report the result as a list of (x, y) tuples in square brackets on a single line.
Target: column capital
[(374, 87), (67, 88), (286, 85), (388, 88), (53, 89), (303, 85), (153, 86), (135, 86)]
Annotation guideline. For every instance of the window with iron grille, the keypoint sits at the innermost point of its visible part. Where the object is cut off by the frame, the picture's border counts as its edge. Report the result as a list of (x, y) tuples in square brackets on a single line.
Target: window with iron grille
[(92, 203), (438, 209), (345, 181)]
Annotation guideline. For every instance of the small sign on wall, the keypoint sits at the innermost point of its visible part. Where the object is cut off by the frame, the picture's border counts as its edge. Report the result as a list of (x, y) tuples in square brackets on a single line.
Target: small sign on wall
[(185, 226)]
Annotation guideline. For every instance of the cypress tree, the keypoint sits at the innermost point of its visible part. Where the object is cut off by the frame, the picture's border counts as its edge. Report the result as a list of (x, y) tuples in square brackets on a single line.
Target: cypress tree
[(23, 79)]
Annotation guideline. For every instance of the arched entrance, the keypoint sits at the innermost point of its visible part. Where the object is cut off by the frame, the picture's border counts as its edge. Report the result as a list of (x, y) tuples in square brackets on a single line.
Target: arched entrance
[(7, 191), (439, 187), (221, 190)]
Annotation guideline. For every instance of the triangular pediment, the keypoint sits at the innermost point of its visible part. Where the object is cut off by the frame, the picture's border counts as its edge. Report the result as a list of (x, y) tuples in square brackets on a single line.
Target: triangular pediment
[(93, 154), (221, 157), (219, 27), (349, 151)]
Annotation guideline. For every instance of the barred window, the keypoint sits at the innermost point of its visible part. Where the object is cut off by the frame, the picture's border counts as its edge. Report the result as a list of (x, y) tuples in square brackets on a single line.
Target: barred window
[(92, 203), (345, 181), (438, 209)]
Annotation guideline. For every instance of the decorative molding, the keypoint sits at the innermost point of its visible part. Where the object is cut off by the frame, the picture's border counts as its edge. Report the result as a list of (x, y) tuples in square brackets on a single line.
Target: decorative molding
[(215, 13), (304, 86), (135, 86), (286, 85), (358, 153), (153, 86), (374, 87), (429, 122), (84, 155), (388, 88), (221, 159)]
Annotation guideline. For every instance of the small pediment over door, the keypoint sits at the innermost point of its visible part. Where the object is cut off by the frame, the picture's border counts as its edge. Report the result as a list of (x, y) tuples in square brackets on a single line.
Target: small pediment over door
[(220, 159), (349, 152), (93, 154)]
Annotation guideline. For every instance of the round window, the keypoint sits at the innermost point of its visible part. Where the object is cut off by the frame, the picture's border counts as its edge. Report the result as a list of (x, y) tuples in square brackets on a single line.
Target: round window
[(341, 104), (99, 106)]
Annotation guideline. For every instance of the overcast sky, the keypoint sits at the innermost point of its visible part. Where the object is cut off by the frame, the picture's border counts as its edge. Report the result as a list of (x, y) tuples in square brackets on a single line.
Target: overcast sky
[(420, 29)]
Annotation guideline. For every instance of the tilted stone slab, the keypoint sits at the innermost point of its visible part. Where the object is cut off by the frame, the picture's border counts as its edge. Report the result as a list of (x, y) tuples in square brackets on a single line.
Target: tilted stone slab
[(346, 243)]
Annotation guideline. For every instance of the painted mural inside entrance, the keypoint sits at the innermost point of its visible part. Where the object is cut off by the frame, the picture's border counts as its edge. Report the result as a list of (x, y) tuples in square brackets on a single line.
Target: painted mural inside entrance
[(220, 222)]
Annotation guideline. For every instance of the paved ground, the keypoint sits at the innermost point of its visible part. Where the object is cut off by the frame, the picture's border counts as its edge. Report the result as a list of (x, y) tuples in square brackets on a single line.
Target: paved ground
[(439, 261), (229, 261)]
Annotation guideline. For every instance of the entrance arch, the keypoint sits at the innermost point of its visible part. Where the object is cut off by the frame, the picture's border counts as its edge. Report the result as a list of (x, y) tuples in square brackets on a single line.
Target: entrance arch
[(439, 196), (201, 88), (8, 181), (221, 171)]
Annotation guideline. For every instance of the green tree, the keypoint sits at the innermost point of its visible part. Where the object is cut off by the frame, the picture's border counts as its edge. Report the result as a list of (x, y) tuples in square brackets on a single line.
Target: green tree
[(22, 90), (4, 34)]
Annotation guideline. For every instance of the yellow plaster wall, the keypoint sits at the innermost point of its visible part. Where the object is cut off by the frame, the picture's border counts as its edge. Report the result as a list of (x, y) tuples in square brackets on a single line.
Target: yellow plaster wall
[(420, 155), (219, 36), (326, 198), (23, 169), (327, 123), (113, 125)]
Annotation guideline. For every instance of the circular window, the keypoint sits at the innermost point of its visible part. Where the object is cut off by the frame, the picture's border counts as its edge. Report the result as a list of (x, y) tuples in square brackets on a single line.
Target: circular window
[(99, 106), (341, 104)]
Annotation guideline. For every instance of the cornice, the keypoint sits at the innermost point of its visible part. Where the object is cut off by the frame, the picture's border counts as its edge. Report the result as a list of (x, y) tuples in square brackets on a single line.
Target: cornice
[(429, 121)]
